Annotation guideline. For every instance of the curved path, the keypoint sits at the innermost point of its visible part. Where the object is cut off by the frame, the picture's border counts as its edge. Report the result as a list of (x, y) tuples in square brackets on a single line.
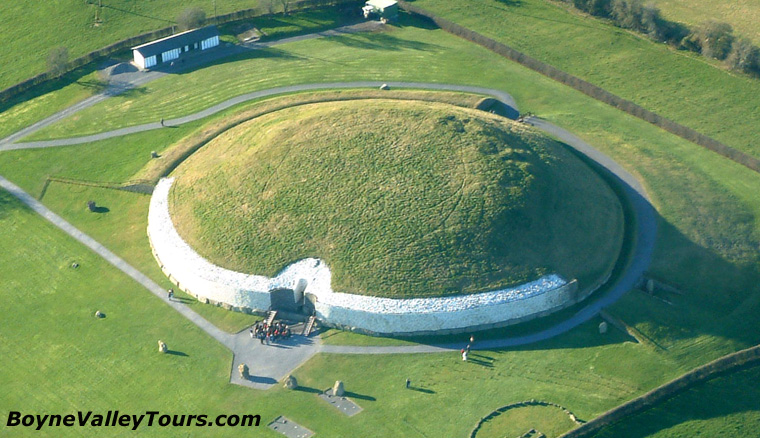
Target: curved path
[(270, 363), (499, 95), (646, 232)]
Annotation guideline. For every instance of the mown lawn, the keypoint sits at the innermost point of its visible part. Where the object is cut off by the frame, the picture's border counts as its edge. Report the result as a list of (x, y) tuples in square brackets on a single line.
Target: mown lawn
[(707, 246), (548, 420), (58, 358), (681, 86), (742, 15), (726, 405), (71, 24), (51, 97)]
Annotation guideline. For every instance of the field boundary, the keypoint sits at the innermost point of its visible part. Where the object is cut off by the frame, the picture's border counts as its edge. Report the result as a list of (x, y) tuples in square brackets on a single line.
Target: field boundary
[(127, 43), (587, 88), (725, 365)]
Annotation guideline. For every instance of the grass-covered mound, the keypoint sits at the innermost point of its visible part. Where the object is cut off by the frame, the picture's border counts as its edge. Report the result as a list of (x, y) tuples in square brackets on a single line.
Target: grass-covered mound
[(400, 199)]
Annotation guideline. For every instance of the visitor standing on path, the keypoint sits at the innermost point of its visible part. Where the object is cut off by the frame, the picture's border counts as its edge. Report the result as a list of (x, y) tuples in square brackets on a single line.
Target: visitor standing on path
[(162, 121), (171, 294), (408, 383)]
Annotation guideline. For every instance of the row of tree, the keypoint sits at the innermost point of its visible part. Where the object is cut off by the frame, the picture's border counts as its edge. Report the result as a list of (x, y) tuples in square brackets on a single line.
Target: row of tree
[(712, 39)]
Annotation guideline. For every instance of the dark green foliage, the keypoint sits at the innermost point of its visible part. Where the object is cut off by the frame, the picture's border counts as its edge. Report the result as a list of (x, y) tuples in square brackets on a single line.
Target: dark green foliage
[(599, 8), (715, 39), (744, 56), (191, 18)]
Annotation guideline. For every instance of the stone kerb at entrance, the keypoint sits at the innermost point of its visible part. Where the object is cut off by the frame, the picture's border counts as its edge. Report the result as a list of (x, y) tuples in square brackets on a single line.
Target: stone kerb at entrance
[(310, 280)]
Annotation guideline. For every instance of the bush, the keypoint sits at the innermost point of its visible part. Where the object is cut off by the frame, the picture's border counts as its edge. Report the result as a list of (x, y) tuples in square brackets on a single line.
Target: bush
[(191, 18), (744, 56), (715, 39), (57, 61)]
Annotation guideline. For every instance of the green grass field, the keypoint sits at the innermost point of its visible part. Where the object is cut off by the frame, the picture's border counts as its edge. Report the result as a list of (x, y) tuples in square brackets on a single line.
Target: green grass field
[(681, 86), (709, 217), (728, 404), (742, 15), (486, 203), (75, 361), (71, 23), (549, 420)]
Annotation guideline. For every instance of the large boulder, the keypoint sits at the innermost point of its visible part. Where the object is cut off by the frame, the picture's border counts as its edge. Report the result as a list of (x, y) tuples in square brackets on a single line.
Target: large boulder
[(243, 369), (162, 348), (338, 389), (291, 382)]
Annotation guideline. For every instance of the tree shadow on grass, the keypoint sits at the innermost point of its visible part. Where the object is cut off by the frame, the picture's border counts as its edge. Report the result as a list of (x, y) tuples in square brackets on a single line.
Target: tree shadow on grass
[(223, 56), (382, 41)]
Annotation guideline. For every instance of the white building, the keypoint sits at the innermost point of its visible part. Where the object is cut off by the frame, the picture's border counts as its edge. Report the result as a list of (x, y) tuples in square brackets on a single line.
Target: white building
[(173, 47)]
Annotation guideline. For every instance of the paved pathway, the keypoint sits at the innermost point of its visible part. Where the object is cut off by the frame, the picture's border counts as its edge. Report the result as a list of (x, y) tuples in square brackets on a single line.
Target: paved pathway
[(497, 94), (269, 364), (121, 80)]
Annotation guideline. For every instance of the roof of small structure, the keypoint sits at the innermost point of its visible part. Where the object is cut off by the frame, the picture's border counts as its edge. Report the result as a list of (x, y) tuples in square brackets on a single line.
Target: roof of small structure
[(177, 40), (381, 4)]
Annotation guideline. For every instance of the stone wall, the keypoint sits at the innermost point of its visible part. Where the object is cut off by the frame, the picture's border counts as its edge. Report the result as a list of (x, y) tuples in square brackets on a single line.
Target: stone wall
[(373, 315)]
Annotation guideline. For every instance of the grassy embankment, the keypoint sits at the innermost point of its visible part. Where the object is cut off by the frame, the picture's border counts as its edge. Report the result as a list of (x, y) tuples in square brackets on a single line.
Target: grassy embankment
[(728, 404), (486, 203)]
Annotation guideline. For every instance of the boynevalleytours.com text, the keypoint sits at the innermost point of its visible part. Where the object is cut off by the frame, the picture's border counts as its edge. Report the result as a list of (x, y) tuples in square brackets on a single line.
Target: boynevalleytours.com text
[(133, 421)]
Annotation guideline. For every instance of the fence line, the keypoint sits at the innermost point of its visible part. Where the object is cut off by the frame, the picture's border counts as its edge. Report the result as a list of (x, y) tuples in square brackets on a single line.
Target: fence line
[(588, 89)]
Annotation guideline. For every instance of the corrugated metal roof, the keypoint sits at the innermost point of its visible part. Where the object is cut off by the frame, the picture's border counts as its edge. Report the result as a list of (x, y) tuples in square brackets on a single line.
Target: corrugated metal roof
[(177, 40), (381, 4)]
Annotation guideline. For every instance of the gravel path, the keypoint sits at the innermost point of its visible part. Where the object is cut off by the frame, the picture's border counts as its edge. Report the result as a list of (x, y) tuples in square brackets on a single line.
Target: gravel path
[(497, 94), (270, 363)]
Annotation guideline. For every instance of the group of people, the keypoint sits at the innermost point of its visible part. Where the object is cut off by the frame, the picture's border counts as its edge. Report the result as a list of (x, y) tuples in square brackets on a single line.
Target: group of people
[(268, 334)]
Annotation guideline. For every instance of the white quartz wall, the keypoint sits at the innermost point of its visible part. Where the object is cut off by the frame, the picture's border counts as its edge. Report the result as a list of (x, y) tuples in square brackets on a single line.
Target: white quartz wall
[(203, 279)]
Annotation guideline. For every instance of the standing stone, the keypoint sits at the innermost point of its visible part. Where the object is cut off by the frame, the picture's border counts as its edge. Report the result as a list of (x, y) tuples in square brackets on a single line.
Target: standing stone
[(603, 327), (98, 314), (162, 347), (91, 205), (153, 154), (650, 286), (243, 369), (338, 389), (291, 382)]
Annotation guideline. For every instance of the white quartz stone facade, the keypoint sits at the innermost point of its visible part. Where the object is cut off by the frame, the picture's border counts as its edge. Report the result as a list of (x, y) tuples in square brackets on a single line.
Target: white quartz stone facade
[(201, 278)]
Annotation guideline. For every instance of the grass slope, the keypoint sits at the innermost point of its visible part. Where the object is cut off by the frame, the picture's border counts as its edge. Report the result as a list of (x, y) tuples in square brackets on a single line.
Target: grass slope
[(742, 15), (728, 404), (429, 200), (683, 87), (71, 23)]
